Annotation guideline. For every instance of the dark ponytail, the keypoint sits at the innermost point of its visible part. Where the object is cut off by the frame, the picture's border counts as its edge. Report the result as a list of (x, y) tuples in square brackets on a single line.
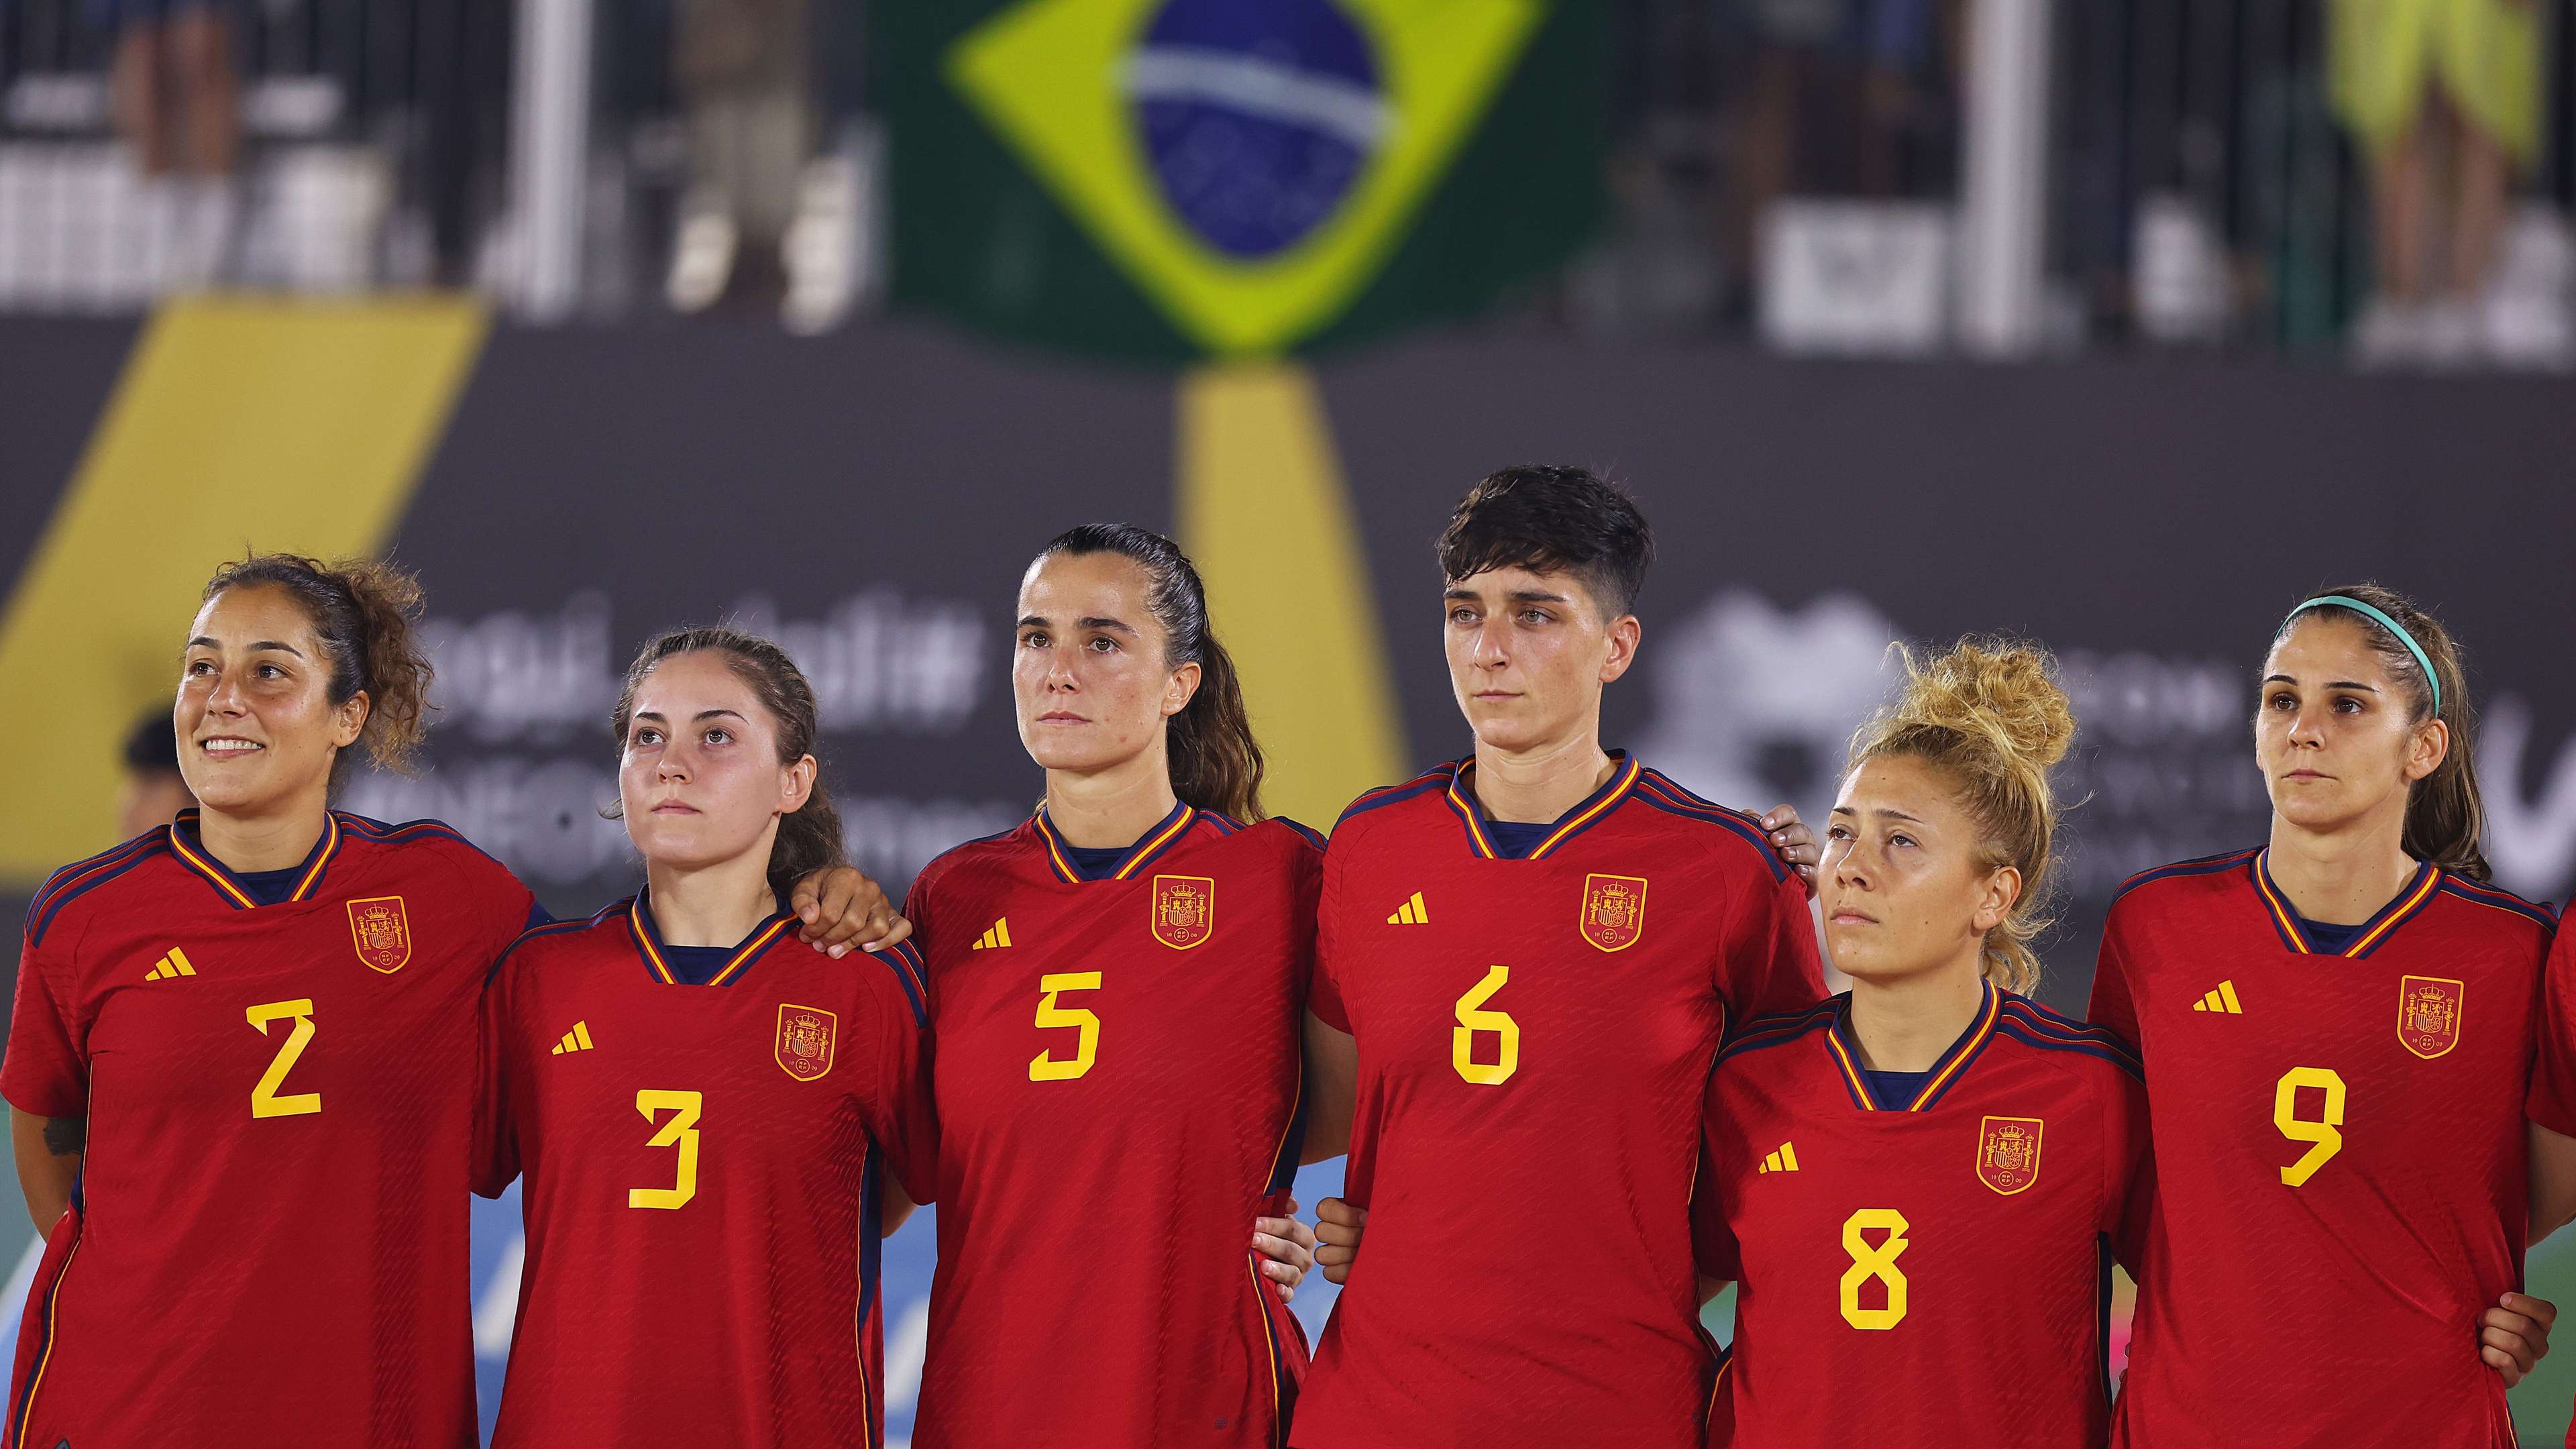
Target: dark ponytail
[(809, 839), (1215, 763), (2445, 818), (366, 614)]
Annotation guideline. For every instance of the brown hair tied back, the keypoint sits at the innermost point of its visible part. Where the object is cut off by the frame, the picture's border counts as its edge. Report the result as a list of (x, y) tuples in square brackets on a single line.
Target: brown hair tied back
[(2446, 818), (809, 839), (367, 614), (1990, 714)]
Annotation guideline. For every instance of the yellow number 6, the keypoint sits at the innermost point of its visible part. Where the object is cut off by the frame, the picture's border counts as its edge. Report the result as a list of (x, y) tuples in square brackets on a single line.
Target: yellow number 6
[(1472, 1018), (1045, 1067), (2322, 1136), (680, 1132)]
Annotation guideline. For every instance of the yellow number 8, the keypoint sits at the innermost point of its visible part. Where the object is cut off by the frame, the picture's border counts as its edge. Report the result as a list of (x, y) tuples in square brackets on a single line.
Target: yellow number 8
[(1472, 1018), (1877, 1262), (2322, 1136)]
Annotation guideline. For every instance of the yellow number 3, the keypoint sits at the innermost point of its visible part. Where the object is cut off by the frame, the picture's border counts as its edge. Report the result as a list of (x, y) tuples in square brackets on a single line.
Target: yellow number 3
[(2322, 1136), (1473, 1018), (264, 1101), (1045, 1067), (1874, 1262), (680, 1132)]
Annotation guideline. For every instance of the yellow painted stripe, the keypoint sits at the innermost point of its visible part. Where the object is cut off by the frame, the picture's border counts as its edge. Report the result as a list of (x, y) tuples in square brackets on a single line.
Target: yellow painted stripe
[(1789, 1155), (581, 1034), (281, 425), (2227, 993), (1265, 512)]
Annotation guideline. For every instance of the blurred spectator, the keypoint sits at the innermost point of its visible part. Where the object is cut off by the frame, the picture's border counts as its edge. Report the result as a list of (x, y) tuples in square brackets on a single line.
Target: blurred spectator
[(1831, 99), (153, 790), (2444, 96), (741, 68), (177, 101)]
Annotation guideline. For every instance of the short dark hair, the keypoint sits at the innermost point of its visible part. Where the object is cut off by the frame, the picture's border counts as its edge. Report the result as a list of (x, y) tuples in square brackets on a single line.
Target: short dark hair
[(152, 746), (1550, 519)]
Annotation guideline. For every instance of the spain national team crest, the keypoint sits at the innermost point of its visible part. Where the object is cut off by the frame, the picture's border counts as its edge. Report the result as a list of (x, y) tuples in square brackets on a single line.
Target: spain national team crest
[(381, 932), (804, 1048), (1184, 910), (2428, 1014), (2008, 1153), (1614, 910)]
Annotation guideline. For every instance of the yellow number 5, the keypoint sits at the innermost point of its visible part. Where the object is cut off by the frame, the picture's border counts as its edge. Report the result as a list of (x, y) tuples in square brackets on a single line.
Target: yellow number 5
[(1874, 1262), (2322, 1136), (1045, 1067), (264, 1101), (1473, 1018), (680, 1132)]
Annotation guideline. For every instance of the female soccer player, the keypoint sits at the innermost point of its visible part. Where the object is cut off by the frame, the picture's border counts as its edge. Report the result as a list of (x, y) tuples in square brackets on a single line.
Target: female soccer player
[(2337, 1030), (703, 1112), (1117, 987), (241, 1061), (1919, 1183)]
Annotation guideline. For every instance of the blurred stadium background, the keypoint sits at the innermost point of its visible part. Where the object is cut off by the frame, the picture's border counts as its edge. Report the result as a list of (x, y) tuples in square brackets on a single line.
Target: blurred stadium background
[(2115, 322)]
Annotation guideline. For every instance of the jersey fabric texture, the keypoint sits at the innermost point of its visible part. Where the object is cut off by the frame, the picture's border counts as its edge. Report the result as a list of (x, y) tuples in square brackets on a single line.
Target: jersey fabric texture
[(1119, 1083), (1928, 1269), (268, 1242), (2339, 1156), (702, 1164), (1535, 1034)]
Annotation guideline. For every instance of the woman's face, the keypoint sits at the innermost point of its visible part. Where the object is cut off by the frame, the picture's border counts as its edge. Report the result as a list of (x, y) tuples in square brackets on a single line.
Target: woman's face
[(2332, 734), (1087, 669), (257, 728), (1901, 883), (699, 777)]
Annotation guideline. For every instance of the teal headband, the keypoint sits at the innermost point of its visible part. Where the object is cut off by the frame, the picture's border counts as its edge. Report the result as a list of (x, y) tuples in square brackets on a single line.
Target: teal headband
[(2342, 601)]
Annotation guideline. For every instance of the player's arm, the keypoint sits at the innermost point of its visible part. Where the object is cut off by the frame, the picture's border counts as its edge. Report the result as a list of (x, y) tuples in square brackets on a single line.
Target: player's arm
[(1332, 1089), (894, 1206), (844, 911), (49, 1153), (1338, 1228), (1287, 1249), (1709, 1288), (2553, 1181), (2513, 1336)]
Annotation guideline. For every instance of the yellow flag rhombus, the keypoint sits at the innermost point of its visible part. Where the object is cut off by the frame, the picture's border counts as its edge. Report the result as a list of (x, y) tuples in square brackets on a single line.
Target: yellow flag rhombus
[(1060, 81)]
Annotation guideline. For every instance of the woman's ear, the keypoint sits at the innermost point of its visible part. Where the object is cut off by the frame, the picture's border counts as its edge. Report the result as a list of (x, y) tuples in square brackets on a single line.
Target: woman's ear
[(1179, 689), (1996, 897), (796, 785)]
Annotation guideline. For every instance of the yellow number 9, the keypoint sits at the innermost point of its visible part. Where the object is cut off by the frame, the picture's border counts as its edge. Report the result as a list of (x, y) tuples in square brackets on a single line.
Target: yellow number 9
[(2322, 1136), (1472, 1018)]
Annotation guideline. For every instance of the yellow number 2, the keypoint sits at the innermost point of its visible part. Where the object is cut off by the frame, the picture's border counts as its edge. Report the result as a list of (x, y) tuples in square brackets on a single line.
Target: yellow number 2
[(1473, 1018), (264, 1101), (1878, 1262), (2323, 1136), (680, 1132), (1046, 1066)]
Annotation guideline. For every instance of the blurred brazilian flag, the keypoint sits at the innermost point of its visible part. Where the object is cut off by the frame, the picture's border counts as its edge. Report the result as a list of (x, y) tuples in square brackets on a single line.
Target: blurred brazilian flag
[(1170, 180)]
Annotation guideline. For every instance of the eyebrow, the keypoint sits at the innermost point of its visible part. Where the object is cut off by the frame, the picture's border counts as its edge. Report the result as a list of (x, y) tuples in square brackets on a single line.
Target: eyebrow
[(1517, 596), (201, 641), (654, 714), (1087, 621), (2329, 684), (1880, 810)]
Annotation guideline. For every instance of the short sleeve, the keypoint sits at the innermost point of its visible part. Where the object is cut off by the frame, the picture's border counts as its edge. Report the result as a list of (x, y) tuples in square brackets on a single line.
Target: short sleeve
[(898, 1110), (2128, 1166), (496, 1141), (509, 908), (2552, 1098), (2114, 994), (1324, 993), (46, 1072), (1769, 964), (1713, 1245)]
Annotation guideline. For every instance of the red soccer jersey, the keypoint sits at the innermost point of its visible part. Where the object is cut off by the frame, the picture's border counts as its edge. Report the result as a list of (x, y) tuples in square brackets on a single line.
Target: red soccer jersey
[(268, 1244), (2339, 1157), (702, 1168), (1535, 1036), (1930, 1272), (1118, 1084), (2552, 1100)]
